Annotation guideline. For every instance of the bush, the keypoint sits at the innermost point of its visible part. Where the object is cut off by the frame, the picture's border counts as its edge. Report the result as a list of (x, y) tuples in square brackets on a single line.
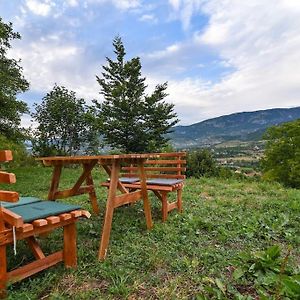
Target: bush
[(201, 163), (20, 156), (282, 155)]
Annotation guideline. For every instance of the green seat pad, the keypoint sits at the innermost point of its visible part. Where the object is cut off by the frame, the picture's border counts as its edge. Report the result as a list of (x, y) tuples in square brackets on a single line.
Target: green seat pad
[(42, 209), (22, 201), (128, 179), (164, 181)]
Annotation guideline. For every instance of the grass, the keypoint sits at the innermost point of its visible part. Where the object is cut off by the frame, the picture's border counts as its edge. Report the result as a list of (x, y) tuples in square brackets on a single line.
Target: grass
[(215, 249)]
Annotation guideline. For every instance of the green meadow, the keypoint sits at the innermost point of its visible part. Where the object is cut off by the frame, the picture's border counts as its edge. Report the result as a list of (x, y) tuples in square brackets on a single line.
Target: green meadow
[(234, 240)]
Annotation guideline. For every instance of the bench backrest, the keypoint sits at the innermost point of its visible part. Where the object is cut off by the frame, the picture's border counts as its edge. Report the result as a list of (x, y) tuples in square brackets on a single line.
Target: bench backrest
[(168, 165), (7, 196)]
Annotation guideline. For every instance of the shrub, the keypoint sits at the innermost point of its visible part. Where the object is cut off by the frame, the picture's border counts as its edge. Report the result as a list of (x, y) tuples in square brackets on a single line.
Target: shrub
[(282, 155), (20, 155), (201, 163)]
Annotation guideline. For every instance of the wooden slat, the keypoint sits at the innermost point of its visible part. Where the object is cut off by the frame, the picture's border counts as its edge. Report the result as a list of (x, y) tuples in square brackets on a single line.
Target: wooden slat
[(6, 155), (85, 214), (7, 177), (173, 176), (40, 223), (72, 192), (12, 218), (172, 206), (26, 227), (127, 198), (35, 267), (165, 162), (8, 196), (53, 220), (160, 169), (65, 216), (76, 213), (169, 154), (7, 238)]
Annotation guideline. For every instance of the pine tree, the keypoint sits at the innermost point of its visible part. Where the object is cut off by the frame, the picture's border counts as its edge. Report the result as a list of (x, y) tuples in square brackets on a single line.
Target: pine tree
[(131, 120)]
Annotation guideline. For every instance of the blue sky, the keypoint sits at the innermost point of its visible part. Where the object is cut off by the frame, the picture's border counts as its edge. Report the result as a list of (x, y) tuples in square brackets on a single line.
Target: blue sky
[(218, 56)]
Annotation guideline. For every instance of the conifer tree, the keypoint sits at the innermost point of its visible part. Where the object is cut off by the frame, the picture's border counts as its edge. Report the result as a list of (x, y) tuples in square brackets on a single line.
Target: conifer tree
[(131, 120)]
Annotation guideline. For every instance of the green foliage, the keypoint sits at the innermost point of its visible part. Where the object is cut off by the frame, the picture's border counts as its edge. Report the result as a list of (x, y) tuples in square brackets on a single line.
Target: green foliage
[(131, 120), (198, 254), (282, 155), (65, 124), (273, 276), (201, 163), (12, 83), (20, 155)]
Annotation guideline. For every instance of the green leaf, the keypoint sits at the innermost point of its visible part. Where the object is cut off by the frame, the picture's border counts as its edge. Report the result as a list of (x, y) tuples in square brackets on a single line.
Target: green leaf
[(220, 285), (273, 252), (238, 273)]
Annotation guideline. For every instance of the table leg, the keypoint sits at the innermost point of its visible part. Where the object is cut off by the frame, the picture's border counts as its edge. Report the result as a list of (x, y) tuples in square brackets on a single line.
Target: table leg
[(89, 181), (55, 182), (109, 209), (147, 209)]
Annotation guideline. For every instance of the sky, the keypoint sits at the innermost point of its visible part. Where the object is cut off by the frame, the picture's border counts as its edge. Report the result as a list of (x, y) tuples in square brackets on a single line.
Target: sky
[(218, 56)]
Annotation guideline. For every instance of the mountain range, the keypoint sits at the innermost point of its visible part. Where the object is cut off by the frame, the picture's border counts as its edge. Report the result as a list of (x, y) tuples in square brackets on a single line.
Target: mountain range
[(243, 126)]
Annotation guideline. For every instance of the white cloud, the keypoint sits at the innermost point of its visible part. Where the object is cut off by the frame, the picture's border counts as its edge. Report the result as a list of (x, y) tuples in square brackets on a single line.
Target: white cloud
[(52, 60), (148, 18), (41, 8), (184, 10), (260, 42), (72, 3), (168, 51), (120, 4)]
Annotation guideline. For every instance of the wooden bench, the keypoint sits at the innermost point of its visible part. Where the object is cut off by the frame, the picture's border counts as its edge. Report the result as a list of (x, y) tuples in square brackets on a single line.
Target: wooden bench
[(164, 175), (28, 217)]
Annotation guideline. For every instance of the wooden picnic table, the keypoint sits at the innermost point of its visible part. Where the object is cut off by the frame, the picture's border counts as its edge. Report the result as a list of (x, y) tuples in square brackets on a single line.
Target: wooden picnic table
[(112, 165)]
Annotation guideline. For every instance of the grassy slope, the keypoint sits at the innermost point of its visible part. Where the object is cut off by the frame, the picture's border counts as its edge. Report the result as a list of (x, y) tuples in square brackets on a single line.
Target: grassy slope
[(175, 260)]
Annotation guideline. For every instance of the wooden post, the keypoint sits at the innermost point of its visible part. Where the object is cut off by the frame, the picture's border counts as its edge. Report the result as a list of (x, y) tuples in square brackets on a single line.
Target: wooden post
[(179, 200), (164, 202), (109, 209), (70, 248), (147, 209), (3, 263), (92, 193), (55, 182)]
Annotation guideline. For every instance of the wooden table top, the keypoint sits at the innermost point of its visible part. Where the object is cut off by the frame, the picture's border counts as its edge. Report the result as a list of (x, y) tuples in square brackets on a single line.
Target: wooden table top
[(101, 158)]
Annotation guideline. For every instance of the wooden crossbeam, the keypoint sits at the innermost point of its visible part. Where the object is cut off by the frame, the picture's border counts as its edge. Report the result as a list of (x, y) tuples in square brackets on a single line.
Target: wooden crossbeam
[(6, 155), (8, 196), (7, 177), (34, 267)]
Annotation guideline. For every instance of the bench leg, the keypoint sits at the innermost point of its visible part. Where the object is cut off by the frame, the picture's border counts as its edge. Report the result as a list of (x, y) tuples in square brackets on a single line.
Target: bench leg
[(164, 208), (70, 248), (3, 272), (92, 194), (109, 210), (179, 200)]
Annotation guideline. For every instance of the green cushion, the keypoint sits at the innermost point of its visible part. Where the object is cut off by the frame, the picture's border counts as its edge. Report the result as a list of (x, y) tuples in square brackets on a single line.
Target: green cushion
[(127, 179), (164, 181), (22, 201), (42, 209)]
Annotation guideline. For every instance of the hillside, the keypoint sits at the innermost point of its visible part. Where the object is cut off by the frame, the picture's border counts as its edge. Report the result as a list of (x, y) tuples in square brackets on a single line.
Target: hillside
[(244, 126)]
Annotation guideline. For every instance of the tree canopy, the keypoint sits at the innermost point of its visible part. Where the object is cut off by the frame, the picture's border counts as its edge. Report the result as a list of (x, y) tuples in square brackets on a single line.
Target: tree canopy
[(282, 154), (131, 120), (65, 124), (12, 82)]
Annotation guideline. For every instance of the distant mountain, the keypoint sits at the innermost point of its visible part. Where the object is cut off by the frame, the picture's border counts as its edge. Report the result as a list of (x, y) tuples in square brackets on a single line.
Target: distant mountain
[(244, 126)]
